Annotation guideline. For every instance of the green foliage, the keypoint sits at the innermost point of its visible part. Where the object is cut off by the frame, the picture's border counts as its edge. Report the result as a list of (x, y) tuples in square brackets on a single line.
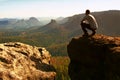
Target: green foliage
[(58, 49), (54, 42), (61, 66)]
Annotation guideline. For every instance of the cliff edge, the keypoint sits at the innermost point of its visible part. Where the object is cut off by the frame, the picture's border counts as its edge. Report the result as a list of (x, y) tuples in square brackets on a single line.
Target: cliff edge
[(20, 61), (94, 58)]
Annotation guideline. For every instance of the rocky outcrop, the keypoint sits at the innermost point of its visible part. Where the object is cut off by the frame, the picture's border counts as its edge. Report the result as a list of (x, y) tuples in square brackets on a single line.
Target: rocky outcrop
[(20, 61), (94, 58)]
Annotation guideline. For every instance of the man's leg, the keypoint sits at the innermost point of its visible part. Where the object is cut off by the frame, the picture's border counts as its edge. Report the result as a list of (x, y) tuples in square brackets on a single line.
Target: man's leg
[(93, 32), (83, 26)]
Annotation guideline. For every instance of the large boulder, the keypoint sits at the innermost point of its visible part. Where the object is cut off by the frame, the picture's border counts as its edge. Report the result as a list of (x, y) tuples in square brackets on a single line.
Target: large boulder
[(94, 58), (20, 61)]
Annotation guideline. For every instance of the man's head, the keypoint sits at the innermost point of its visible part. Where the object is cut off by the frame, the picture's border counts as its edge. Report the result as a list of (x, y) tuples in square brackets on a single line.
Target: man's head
[(87, 12)]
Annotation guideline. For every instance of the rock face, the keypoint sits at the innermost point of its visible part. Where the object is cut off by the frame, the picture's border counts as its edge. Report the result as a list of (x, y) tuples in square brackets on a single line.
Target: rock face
[(20, 61), (94, 58)]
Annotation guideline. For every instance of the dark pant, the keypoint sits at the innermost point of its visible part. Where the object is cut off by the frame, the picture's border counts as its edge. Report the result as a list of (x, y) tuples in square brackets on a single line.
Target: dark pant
[(87, 26)]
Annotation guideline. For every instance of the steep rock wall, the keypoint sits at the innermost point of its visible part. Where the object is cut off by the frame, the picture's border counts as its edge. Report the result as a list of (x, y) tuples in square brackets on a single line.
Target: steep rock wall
[(94, 58)]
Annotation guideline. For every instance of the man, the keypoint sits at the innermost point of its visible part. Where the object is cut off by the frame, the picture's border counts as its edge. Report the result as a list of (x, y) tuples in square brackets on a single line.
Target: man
[(89, 22)]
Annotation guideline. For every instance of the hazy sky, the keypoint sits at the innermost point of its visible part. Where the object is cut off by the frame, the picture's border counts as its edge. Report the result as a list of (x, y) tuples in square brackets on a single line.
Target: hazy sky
[(53, 8)]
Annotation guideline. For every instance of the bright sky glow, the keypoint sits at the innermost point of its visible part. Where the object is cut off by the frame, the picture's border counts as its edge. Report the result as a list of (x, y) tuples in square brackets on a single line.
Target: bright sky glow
[(53, 8)]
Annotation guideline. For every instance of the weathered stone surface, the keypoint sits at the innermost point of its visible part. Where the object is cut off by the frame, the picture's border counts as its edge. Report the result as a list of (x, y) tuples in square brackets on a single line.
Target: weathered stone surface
[(94, 58), (20, 61)]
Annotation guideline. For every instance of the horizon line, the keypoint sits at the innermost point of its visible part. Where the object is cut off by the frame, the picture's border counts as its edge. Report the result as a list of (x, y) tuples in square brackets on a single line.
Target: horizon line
[(26, 17)]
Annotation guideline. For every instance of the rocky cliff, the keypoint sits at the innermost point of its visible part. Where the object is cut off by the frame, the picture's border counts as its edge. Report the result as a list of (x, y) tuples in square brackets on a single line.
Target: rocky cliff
[(20, 61), (94, 58)]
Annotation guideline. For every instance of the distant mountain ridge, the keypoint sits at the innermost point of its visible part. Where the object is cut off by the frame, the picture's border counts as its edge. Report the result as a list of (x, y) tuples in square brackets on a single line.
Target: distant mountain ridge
[(56, 34), (19, 23), (108, 22)]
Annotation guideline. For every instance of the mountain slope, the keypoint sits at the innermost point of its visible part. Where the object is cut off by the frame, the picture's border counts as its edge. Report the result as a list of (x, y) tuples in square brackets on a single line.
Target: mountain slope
[(108, 22)]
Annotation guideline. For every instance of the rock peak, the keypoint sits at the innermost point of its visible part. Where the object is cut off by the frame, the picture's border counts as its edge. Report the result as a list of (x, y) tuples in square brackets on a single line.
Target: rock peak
[(94, 58), (33, 18), (53, 21)]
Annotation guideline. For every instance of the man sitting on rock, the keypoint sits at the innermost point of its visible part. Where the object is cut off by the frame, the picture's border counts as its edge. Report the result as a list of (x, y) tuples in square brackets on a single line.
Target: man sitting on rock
[(89, 22)]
